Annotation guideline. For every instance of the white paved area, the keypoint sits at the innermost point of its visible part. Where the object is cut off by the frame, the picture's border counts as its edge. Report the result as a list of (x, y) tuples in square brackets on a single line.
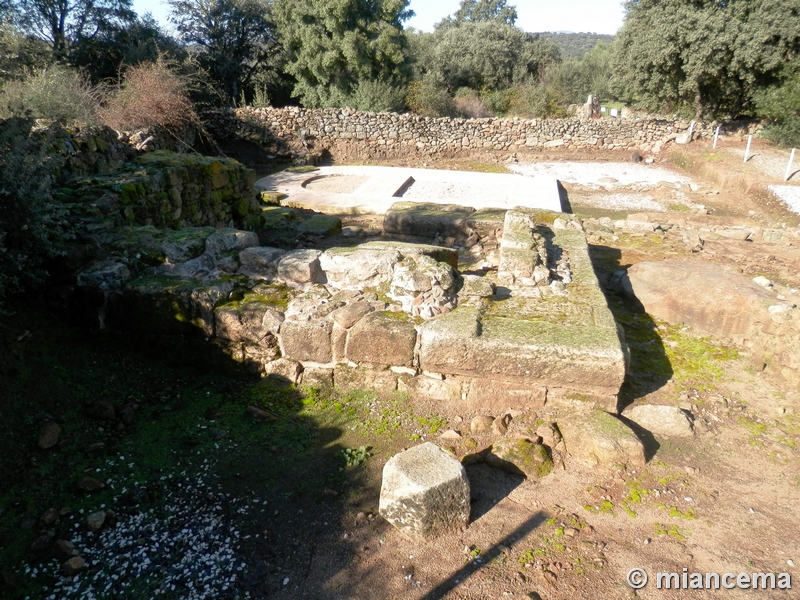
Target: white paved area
[(790, 194), (599, 175), (387, 185)]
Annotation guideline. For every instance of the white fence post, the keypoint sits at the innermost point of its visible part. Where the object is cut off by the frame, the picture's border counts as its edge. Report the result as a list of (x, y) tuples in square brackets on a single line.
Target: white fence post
[(789, 166), (716, 137), (747, 149)]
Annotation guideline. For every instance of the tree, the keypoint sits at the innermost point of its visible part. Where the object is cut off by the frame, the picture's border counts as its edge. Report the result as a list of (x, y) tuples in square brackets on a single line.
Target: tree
[(480, 11), (65, 22), (235, 38), (707, 55), (117, 47), (780, 105), (486, 56), (334, 45)]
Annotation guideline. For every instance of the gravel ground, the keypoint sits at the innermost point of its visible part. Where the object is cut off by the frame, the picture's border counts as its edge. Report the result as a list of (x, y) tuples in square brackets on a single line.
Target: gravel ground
[(186, 546), (592, 174), (789, 194), (620, 202)]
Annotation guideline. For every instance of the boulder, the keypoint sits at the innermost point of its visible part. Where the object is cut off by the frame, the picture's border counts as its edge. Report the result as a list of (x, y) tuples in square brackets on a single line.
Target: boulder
[(359, 267), (49, 434), (106, 275), (481, 424), (667, 421), (260, 262), (425, 492), (96, 520), (73, 566), (300, 267), (699, 294), (247, 322), (348, 315), (597, 438), (520, 456), (284, 368), (382, 338), (427, 219), (307, 340), (102, 410), (229, 240), (321, 225), (90, 484), (64, 549)]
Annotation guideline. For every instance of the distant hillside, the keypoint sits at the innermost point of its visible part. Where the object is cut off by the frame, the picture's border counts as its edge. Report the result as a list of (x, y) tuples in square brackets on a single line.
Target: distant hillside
[(575, 45)]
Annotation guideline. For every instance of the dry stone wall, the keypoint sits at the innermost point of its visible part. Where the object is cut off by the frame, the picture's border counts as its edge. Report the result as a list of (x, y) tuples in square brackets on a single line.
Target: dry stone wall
[(301, 129)]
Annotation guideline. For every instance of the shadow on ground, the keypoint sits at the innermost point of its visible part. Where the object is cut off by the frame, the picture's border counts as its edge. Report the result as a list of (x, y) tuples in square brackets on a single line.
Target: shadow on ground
[(649, 369)]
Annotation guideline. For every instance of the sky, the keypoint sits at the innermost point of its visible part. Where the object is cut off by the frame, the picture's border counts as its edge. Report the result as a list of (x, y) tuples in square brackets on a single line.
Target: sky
[(595, 16)]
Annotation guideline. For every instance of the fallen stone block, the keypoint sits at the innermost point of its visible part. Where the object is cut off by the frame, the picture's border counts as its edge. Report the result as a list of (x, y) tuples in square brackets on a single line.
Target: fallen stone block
[(520, 456), (425, 492), (427, 219), (667, 421), (698, 294), (108, 275), (597, 438)]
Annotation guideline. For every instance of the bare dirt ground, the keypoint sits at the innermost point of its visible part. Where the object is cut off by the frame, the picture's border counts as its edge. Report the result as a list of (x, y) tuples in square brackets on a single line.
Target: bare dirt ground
[(302, 488)]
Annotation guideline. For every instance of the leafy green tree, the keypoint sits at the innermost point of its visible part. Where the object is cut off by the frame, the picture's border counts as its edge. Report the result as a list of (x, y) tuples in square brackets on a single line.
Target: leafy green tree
[(480, 11), (64, 23), (335, 45), (20, 54), (705, 55), (235, 39), (486, 55), (780, 105)]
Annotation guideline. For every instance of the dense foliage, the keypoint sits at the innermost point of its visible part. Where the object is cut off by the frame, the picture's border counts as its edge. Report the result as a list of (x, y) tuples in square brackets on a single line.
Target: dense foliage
[(32, 225), (575, 45), (708, 56)]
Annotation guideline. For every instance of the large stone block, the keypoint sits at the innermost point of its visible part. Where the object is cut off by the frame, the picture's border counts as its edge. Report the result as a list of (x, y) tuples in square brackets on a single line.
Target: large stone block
[(699, 294), (359, 267), (382, 338), (575, 356), (307, 340), (300, 267), (247, 322), (427, 219), (227, 240), (425, 492), (667, 421), (260, 262), (380, 381), (598, 438)]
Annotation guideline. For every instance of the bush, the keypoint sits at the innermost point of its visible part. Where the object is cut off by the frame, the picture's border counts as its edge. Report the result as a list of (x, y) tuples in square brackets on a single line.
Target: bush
[(376, 96), (32, 226), (150, 94), (469, 104), (429, 98), (780, 105), (55, 92)]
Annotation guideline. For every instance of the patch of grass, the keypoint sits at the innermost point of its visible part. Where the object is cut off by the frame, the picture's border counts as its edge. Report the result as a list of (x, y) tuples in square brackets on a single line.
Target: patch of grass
[(302, 169), (482, 167), (671, 530), (354, 457)]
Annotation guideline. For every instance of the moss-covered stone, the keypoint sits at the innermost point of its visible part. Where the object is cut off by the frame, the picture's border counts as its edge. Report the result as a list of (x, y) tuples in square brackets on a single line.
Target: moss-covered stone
[(520, 456)]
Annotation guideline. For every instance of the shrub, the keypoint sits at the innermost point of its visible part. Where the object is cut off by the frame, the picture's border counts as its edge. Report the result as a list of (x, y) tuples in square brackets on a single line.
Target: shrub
[(469, 104), (150, 94), (429, 98), (780, 105), (53, 92), (376, 96)]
